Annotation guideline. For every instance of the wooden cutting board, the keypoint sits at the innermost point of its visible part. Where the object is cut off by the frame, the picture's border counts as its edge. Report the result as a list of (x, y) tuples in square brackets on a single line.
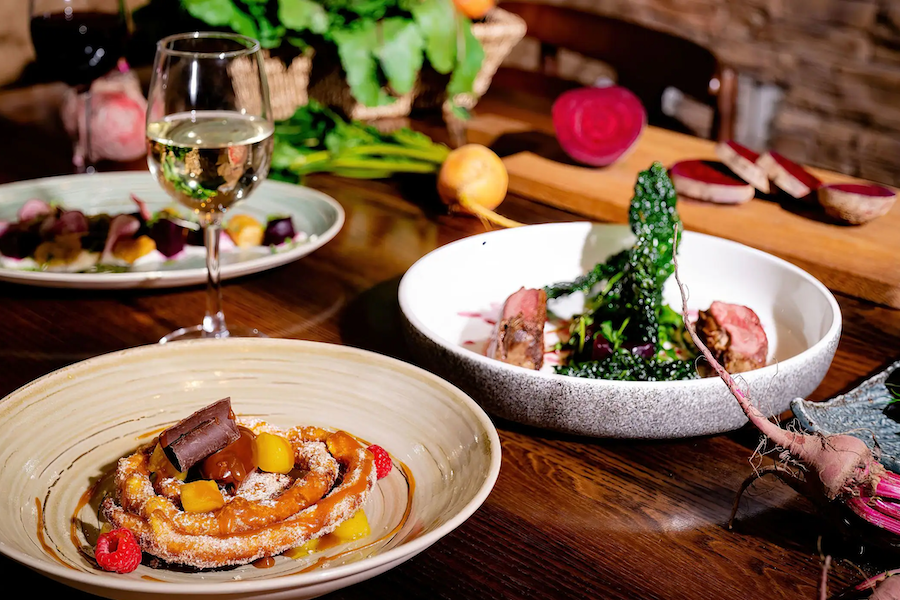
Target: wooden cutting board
[(862, 261)]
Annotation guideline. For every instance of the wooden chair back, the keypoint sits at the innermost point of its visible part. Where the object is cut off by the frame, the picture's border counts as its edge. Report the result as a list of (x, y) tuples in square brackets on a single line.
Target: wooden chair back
[(646, 61)]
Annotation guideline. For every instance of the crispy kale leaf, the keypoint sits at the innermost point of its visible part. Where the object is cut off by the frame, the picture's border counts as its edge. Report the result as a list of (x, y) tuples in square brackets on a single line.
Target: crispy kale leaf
[(630, 299)]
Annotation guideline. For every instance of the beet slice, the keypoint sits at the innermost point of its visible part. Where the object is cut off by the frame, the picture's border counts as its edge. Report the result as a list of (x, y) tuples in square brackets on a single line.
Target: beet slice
[(742, 161), (278, 231), (597, 126), (790, 177), (710, 181), (170, 237), (856, 203)]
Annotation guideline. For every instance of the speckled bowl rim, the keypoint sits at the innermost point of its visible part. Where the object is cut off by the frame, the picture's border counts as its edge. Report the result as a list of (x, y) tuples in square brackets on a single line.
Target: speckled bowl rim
[(820, 346), (282, 582)]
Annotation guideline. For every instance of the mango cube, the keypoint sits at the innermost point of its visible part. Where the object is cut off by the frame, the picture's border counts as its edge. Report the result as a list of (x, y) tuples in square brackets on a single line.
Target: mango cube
[(201, 496), (245, 231), (272, 453), (354, 528), (163, 467), (304, 550), (130, 250)]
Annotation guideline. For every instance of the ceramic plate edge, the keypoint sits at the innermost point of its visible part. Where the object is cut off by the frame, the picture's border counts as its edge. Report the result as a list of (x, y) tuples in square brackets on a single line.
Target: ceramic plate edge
[(411, 548)]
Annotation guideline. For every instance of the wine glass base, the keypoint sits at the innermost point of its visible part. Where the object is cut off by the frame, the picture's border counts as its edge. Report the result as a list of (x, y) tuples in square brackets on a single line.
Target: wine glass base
[(198, 333)]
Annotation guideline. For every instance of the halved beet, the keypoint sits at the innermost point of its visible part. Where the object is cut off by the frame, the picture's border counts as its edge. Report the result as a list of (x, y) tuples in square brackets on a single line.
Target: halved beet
[(788, 175), (710, 181), (597, 126), (278, 231), (856, 203), (170, 237), (742, 161)]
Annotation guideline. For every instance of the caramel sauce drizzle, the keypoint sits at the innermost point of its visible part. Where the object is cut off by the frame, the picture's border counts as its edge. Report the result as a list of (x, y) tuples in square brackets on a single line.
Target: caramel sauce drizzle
[(43, 541)]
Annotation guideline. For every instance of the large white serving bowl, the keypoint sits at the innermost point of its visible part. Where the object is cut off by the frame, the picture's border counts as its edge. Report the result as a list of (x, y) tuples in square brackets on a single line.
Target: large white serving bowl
[(439, 294), (61, 432)]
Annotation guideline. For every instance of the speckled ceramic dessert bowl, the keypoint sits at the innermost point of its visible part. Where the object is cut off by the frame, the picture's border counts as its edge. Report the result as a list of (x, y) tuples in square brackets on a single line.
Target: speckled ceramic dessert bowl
[(441, 292), (62, 432)]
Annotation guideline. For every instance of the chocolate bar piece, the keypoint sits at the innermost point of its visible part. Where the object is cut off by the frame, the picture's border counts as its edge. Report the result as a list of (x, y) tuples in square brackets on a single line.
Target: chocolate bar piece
[(203, 433)]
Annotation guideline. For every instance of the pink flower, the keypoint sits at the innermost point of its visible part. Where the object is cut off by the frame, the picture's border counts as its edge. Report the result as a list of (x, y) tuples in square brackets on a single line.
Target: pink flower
[(118, 110)]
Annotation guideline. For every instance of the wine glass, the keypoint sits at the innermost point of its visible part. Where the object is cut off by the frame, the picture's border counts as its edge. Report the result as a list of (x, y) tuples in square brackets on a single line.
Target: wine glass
[(77, 41), (209, 136)]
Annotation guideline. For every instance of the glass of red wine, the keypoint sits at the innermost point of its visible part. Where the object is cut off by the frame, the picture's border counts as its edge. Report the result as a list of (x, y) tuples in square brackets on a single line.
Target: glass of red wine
[(78, 41)]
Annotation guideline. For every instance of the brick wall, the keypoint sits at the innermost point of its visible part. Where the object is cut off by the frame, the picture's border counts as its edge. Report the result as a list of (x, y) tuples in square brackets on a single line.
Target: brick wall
[(837, 62)]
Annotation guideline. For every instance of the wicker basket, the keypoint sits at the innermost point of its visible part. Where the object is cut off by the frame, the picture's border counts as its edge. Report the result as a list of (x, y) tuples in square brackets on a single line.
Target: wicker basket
[(290, 85), (287, 83)]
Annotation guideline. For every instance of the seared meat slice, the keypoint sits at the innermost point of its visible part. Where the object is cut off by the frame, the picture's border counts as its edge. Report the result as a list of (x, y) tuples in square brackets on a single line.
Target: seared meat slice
[(734, 335), (518, 338)]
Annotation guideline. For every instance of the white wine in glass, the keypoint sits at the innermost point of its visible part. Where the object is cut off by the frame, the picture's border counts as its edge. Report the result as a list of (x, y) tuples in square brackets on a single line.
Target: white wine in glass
[(209, 136)]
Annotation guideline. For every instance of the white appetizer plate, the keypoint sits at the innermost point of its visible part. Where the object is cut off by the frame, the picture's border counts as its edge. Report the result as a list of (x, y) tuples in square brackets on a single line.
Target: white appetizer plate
[(313, 212), (440, 293), (62, 432)]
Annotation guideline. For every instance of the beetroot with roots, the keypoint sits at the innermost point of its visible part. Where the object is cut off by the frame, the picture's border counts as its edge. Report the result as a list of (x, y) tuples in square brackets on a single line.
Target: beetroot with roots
[(597, 126), (831, 470)]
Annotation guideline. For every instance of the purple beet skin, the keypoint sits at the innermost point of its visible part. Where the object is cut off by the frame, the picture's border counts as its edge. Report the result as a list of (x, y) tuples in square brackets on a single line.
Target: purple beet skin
[(169, 236), (603, 349), (17, 242), (278, 231)]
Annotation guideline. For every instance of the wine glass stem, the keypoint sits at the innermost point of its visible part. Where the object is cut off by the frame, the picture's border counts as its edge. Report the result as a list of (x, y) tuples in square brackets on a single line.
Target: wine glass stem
[(214, 321), (83, 160)]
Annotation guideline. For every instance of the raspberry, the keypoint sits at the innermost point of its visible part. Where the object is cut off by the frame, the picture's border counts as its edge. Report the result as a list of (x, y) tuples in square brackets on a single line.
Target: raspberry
[(383, 464), (118, 551)]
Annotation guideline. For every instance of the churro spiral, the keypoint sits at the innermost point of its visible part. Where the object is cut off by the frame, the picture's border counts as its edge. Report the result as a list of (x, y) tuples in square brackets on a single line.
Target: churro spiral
[(247, 527)]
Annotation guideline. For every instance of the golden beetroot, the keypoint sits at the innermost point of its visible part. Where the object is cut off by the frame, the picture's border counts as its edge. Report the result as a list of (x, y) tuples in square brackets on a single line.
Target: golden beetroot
[(474, 9), (474, 180)]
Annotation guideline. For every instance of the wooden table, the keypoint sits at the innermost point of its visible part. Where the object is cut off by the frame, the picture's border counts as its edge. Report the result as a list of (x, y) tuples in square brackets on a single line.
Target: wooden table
[(569, 517)]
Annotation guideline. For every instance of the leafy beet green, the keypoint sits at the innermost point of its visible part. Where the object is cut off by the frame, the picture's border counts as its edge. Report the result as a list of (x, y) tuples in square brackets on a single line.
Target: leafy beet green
[(380, 43), (624, 309)]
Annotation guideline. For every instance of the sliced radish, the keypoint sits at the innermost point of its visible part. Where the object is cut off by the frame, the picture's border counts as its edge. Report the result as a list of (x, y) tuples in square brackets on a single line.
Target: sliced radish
[(742, 161), (597, 126), (710, 181), (32, 209), (121, 226), (143, 210), (788, 175), (856, 203)]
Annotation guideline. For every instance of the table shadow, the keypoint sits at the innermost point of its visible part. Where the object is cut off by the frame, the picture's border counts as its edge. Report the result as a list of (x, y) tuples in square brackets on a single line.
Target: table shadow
[(543, 144), (372, 321)]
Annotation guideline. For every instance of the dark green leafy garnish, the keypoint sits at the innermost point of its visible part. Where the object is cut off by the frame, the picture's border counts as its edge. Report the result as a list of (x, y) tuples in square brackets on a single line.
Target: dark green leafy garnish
[(624, 313)]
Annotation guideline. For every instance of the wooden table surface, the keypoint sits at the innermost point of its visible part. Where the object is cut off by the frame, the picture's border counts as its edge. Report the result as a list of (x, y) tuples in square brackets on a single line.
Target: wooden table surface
[(569, 517)]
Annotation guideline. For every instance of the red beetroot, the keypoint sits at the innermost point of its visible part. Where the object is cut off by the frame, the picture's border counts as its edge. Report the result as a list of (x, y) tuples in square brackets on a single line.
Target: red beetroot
[(788, 175), (597, 126), (833, 468), (856, 203), (743, 161), (710, 181)]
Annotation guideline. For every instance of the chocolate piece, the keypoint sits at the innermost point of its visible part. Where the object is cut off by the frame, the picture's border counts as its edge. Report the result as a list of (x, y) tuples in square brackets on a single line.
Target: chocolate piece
[(203, 433)]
